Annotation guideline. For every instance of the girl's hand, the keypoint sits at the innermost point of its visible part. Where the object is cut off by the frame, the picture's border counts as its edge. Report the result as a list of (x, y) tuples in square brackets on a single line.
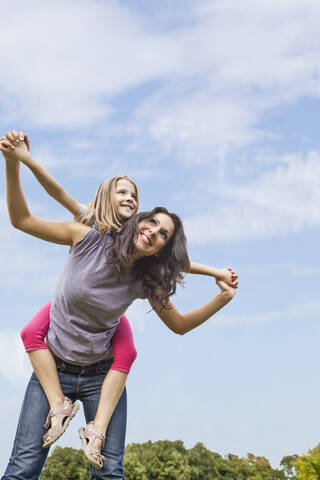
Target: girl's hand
[(14, 138), (228, 276), (230, 291), (6, 150)]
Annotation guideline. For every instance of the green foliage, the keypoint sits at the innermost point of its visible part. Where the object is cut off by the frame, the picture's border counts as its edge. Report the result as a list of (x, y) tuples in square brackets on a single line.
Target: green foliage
[(308, 466), (66, 464), (204, 463), (250, 468), (288, 465), (164, 460)]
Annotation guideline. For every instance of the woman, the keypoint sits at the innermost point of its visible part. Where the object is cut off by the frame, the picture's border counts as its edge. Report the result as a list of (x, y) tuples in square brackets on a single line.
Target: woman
[(149, 254)]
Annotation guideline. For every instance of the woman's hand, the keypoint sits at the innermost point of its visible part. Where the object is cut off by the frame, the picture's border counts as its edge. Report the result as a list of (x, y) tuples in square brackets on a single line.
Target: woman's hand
[(226, 289), (228, 276), (15, 146)]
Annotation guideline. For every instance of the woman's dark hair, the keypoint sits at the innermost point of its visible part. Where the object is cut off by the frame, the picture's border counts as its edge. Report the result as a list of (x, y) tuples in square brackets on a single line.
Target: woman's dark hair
[(159, 274)]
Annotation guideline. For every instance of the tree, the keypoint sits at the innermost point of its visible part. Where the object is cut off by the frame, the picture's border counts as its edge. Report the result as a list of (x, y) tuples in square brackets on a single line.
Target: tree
[(262, 470), (288, 465), (161, 460), (308, 466), (66, 464), (166, 460), (204, 463)]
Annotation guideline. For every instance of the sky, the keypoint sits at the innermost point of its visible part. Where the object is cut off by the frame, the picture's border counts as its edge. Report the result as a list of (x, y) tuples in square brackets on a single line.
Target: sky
[(212, 107)]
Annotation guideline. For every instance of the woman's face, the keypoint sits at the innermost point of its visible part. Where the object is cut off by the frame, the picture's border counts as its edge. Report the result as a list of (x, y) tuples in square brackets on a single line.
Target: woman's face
[(125, 199), (153, 234)]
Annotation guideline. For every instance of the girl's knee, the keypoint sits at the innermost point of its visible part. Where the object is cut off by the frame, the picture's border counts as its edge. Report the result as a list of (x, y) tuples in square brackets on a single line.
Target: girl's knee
[(131, 355), (123, 362), (128, 357), (26, 336), (32, 339)]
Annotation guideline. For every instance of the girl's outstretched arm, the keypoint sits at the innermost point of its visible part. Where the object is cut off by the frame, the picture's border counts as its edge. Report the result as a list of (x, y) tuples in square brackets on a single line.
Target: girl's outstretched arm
[(183, 323), (48, 182), (226, 275)]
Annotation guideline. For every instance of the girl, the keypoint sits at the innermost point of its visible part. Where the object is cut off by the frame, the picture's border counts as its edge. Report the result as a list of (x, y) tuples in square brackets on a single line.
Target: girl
[(122, 197)]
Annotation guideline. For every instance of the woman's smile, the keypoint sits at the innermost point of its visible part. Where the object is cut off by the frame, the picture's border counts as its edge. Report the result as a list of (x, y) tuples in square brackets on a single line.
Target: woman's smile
[(153, 234), (145, 238)]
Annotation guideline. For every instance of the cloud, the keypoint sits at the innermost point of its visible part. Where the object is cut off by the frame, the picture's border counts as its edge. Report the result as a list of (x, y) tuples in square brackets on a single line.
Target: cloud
[(60, 69), (299, 310), (200, 126), (270, 45), (14, 363), (283, 200), (137, 314), (210, 76), (232, 73), (25, 265), (288, 268)]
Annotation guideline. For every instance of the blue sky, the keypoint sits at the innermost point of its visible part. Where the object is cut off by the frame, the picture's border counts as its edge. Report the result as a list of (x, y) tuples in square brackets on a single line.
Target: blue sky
[(213, 108)]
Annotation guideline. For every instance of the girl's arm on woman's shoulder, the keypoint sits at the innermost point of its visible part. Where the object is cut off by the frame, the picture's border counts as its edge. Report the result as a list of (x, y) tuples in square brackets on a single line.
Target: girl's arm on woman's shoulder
[(48, 182), (182, 323), (66, 233)]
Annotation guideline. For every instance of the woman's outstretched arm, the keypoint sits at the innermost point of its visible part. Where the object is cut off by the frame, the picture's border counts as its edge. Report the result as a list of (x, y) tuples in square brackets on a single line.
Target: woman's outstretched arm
[(182, 323), (66, 233), (48, 182)]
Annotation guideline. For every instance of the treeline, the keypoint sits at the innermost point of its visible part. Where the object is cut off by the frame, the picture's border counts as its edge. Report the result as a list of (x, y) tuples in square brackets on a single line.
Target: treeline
[(165, 460)]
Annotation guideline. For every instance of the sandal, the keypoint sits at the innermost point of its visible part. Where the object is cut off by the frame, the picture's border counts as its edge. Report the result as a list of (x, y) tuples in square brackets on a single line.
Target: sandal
[(88, 435), (63, 415)]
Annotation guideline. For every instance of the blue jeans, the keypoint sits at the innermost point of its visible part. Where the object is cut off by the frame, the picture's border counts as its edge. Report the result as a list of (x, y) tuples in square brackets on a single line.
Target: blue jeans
[(28, 456)]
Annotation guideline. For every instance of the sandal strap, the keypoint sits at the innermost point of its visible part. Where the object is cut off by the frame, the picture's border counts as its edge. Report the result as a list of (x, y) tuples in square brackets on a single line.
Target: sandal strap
[(100, 457), (95, 451), (52, 432), (60, 412), (91, 432)]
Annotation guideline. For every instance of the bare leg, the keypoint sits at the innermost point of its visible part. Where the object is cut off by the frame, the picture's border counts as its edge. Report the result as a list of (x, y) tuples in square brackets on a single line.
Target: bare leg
[(111, 391), (45, 368)]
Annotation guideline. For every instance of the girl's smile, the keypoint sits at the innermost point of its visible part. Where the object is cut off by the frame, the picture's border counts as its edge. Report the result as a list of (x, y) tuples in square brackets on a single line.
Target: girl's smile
[(125, 199)]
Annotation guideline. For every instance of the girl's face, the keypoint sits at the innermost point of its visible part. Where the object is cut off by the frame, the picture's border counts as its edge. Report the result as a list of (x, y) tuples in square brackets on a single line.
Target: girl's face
[(124, 199), (153, 234)]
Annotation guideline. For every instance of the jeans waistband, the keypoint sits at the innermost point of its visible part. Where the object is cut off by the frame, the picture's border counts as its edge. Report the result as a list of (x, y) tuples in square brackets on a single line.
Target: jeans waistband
[(100, 367)]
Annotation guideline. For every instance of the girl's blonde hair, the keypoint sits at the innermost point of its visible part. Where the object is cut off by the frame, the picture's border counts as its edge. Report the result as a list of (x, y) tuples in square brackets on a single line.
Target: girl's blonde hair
[(101, 210)]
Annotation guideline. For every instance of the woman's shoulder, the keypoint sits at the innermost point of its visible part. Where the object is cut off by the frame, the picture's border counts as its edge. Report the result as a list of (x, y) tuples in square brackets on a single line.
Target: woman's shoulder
[(80, 231), (89, 237)]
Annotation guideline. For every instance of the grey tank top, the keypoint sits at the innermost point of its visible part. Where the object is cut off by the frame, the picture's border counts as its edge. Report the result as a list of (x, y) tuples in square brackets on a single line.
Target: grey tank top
[(89, 301)]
